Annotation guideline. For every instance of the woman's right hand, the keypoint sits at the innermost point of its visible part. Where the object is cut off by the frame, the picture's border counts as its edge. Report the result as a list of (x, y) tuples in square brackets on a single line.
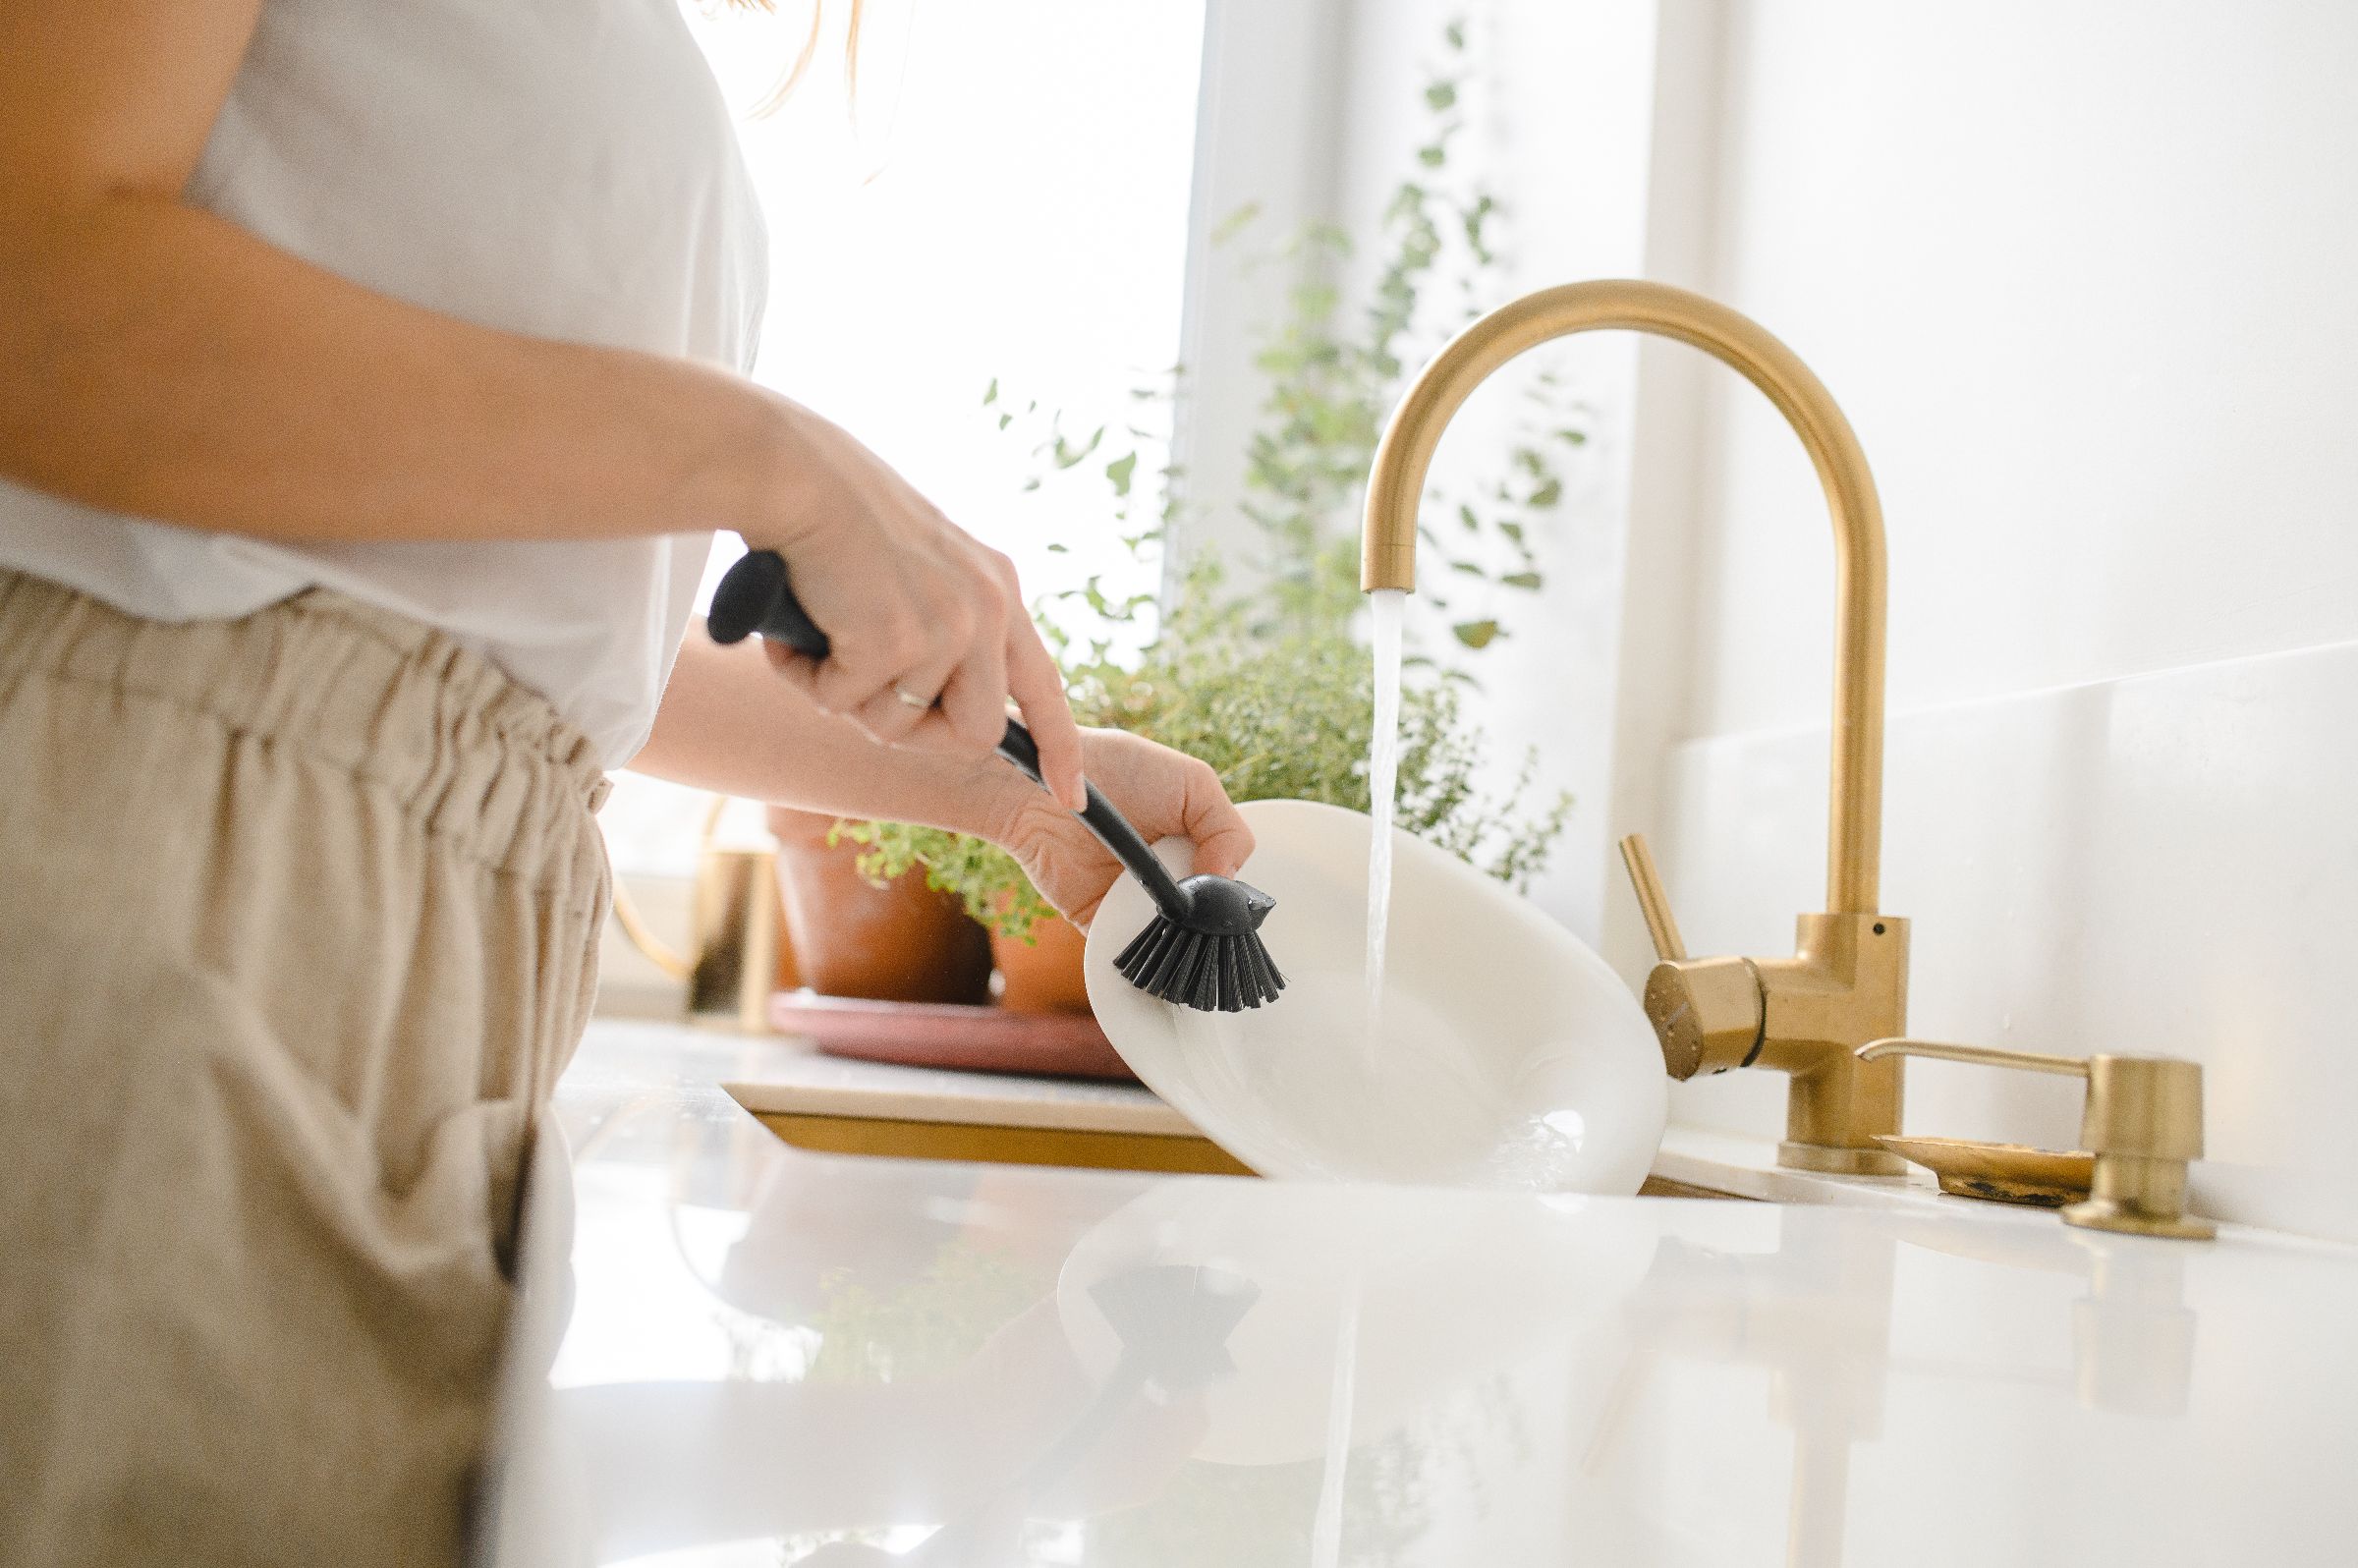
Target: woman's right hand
[(930, 636)]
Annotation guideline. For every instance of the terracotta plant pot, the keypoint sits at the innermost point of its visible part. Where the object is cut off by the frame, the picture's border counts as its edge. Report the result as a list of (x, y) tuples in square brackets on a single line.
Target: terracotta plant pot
[(903, 943), (1043, 975)]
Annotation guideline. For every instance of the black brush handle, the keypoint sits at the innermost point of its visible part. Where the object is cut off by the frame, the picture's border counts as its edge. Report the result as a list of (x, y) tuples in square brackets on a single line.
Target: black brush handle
[(756, 595)]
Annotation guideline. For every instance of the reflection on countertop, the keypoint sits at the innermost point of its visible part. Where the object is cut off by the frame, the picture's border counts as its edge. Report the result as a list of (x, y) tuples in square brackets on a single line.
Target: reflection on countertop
[(732, 1352)]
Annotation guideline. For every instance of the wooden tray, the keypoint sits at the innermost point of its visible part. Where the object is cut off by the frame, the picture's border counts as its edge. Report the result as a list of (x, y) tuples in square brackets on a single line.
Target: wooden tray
[(979, 1039)]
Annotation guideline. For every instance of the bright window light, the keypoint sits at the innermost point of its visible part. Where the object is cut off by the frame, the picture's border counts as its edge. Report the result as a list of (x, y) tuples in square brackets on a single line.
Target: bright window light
[(1005, 197)]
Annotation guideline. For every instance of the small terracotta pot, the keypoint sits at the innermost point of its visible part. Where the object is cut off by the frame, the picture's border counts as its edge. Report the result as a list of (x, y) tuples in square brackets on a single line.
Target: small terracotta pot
[(903, 943), (1043, 975)]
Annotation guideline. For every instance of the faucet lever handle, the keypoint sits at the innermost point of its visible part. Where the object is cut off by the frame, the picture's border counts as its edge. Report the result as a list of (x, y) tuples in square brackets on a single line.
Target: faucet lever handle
[(1652, 902)]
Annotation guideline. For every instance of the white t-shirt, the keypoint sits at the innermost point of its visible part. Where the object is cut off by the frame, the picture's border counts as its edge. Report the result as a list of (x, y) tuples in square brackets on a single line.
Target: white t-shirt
[(563, 168)]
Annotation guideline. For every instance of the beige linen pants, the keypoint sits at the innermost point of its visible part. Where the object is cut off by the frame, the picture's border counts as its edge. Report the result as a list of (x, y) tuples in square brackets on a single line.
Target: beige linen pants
[(298, 916)]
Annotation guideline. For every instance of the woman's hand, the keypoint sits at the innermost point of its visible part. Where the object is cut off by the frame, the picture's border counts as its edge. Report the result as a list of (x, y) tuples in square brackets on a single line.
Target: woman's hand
[(930, 632), (1160, 791), (730, 725)]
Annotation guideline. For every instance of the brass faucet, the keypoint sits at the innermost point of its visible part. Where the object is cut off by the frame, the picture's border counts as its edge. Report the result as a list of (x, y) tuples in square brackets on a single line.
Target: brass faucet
[(1847, 982)]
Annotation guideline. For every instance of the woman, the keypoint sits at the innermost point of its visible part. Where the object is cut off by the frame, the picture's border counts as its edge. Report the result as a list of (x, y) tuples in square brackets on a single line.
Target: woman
[(371, 382)]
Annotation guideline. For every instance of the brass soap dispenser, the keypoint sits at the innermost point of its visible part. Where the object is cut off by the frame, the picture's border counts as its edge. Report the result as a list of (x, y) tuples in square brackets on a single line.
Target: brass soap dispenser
[(2143, 1123)]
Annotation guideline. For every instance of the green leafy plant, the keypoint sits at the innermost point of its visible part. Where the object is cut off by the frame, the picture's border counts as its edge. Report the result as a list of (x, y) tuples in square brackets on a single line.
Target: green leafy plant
[(1268, 681), (1292, 717), (1288, 719), (1336, 367), (985, 876)]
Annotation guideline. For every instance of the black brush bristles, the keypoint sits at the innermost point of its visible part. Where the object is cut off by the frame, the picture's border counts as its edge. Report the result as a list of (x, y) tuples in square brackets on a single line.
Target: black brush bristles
[(1202, 949), (1211, 973)]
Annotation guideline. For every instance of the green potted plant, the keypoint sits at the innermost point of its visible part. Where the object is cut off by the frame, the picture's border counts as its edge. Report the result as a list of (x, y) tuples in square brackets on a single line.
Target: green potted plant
[(1268, 681), (856, 932)]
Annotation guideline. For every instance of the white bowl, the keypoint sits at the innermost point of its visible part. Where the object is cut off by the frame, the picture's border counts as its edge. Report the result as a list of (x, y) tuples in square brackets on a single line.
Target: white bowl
[(1506, 1054)]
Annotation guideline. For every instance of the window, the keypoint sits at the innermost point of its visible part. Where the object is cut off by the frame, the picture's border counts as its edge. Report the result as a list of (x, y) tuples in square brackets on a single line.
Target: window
[(1008, 200)]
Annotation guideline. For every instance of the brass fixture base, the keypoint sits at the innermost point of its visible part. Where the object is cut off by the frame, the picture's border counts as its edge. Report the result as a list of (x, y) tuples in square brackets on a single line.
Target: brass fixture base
[(1830, 1159), (2144, 1195), (2114, 1214)]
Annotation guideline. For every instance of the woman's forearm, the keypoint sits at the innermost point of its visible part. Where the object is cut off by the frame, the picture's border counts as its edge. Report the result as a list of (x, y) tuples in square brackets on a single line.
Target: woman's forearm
[(158, 360), (728, 724)]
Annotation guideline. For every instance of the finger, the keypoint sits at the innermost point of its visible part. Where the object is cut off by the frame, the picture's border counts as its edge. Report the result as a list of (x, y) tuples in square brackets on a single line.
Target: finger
[(893, 714), (1223, 843), (1038, 687), (799, 671), (847, 684), (886, 719), (934, 732), (1072, 870), (974, 703), (864, 665), (1084, 911)]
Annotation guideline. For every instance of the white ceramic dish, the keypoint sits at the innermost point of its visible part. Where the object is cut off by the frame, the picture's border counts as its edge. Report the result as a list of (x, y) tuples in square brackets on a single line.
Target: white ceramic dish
[(1507, 1054)]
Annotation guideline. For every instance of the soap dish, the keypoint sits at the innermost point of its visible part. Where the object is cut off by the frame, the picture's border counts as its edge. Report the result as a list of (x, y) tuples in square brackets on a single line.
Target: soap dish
[(2005, 1173)]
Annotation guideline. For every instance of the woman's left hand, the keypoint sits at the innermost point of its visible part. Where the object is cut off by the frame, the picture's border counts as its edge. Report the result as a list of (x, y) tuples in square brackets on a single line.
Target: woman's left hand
[(1160, 791)]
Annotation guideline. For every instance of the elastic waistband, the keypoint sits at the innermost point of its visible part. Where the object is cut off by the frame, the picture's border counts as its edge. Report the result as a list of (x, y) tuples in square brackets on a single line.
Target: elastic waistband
[(398, 703)]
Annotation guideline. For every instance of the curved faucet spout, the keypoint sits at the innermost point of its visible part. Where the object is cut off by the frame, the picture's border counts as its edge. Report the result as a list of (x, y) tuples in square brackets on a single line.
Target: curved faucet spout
[(1846, 982), (1395, 486)]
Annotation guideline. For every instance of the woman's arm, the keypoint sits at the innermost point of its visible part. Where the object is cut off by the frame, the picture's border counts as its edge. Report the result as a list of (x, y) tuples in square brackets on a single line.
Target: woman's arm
[(728, 724), (158, 360), (162, 362)]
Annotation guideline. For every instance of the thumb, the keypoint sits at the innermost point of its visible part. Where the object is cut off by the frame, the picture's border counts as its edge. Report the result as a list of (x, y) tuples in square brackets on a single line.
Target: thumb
[(1224, 850), (1223, 843)]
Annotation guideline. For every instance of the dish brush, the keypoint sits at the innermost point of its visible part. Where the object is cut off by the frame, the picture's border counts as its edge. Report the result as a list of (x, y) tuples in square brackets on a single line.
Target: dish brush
[(1201, 950)]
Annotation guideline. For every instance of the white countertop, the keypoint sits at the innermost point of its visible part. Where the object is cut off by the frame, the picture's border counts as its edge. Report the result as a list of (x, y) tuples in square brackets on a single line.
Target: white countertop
[(789, 1073), (732, 1352)]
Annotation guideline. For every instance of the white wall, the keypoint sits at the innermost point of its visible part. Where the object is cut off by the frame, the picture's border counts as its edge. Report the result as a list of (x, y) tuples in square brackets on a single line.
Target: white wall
[(2086, 279)]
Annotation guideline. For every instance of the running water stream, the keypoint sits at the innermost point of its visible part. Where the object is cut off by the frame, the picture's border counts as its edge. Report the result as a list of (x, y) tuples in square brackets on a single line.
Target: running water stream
[(1383, 778)]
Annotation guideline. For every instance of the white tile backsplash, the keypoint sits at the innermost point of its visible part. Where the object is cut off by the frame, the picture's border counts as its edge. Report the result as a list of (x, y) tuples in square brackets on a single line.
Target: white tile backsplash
[(2166, 864)]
